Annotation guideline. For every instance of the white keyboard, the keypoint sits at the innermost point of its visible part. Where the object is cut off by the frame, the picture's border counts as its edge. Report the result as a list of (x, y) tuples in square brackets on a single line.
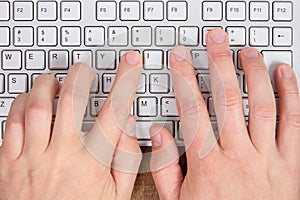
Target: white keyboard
[(49, 36)]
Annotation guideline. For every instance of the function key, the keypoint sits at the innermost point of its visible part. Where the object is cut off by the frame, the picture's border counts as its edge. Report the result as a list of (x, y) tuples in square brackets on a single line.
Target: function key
[(47, 10), (130, 11), (282, 11), (177, 10), (153, 10), (23, 10), (259, 11), (236, 11), (70, 10), (106, 11), (4, 14), (212, 11)]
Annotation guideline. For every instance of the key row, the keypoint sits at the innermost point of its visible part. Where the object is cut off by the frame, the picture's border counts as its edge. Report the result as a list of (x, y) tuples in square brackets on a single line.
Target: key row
[(105, 10), (237, 10), (141, 36)]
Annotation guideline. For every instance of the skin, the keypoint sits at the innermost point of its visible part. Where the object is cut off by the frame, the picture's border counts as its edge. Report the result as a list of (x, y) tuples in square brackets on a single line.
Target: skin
[(246, 162), (37, 162)]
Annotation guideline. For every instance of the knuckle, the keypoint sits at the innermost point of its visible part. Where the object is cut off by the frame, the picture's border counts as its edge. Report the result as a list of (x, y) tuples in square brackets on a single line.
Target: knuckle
[(292, 120), (221, 56), (193, 106), (37, 110), (264, 112), (14, 125), (229, 98)]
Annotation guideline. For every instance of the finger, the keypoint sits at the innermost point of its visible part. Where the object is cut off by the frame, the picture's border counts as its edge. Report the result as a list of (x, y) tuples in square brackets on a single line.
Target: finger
[(126, 161), (192, 109), (226, 93), (262, 114), (112, 119), (15, 129), (72, 102), (38, 116), (288, 138), (164, 164)]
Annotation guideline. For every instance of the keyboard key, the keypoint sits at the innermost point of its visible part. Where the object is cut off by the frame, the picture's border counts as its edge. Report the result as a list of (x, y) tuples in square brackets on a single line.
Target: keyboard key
[(189, 36), (23, 10), (118, 36), (142, 85), (106, 11), (58, 59), (237, 36), (205, 30), (107, 82), (159, 83), (70, 36), (4, 14), (47, 36), (211, 109), (168, 107), (94, 36), (153, 10), (5, 104), (204, 82), (282, 11), (35, 60), (147, 106), (106, 59), (2, 86), (236, 11), (61, 78), (23, 36), (246, 107), (17, 83), (130, 11), (70, 10), (212, 11), (282, 36), (274, 58), (153, 59), (11, 60), (83, 56), (165, 36), (259, 11), (177, 11), (96, 105), (259, 36), (5, 36), (47, 10), (200, 59), (141, 36), (95, 85), (143, 128)]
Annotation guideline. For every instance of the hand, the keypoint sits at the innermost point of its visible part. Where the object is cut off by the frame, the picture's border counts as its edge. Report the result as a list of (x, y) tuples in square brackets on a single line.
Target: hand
[(37, 162), (246, 162)]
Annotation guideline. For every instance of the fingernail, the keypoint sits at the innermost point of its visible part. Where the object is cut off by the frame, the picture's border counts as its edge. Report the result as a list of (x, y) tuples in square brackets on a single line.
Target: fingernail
[(155, 135), (132, 58), (218, 36), (286, 72), (180, 53), (251, 53), (131, 128)]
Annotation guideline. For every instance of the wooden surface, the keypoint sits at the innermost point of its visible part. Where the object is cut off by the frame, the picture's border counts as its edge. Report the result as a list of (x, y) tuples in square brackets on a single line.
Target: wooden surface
[(144, 186)]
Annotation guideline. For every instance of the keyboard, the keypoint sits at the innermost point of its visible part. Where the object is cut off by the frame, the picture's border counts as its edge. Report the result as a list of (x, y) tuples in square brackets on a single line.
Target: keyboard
[(47, 36)]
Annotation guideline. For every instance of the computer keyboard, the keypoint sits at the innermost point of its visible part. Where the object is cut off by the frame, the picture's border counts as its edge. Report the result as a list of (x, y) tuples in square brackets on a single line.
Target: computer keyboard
[(39, 37)]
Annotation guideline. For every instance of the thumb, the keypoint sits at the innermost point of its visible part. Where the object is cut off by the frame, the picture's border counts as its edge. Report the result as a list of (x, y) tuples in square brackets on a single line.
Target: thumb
[(164, 165), (126, 161)]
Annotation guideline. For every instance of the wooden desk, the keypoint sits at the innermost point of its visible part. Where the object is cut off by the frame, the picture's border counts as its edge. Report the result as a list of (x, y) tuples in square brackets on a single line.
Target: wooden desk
[(144, 186)]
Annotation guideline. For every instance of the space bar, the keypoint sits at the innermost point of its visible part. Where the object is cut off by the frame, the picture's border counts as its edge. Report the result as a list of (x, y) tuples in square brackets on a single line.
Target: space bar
[(142, 128)]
